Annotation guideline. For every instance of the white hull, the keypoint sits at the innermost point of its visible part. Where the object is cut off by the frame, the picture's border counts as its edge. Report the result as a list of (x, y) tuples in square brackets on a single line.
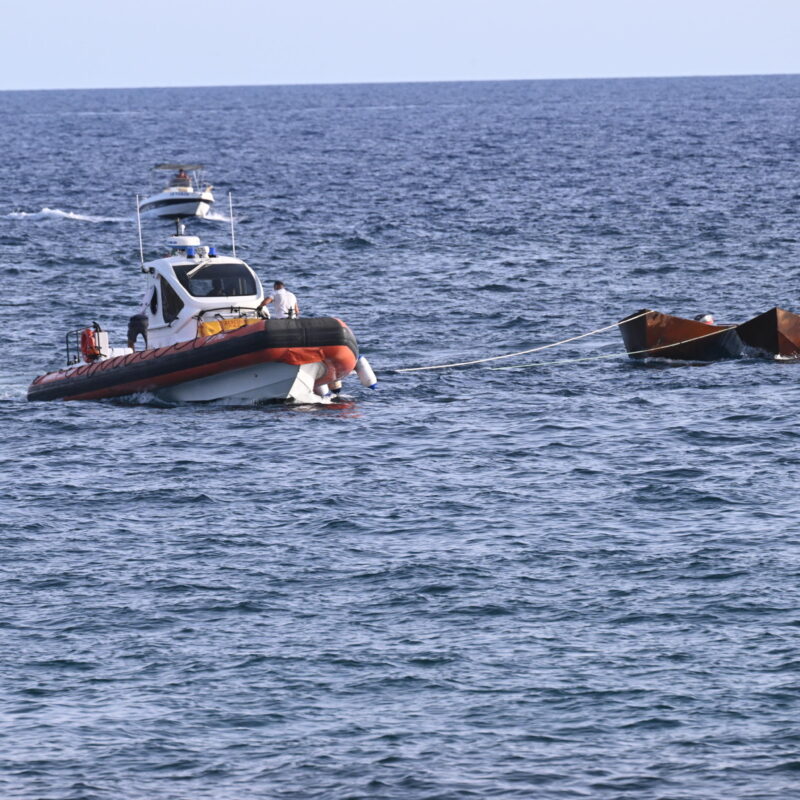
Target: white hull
[(259, 383), (174, 205)]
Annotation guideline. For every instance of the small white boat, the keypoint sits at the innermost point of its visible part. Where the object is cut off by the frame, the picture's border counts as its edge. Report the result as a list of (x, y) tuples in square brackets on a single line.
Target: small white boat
[(186, 194), (207, 337)]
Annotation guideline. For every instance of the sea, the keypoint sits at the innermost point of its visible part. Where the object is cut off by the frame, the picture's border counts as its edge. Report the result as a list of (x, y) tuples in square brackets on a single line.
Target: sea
[(578, 578)]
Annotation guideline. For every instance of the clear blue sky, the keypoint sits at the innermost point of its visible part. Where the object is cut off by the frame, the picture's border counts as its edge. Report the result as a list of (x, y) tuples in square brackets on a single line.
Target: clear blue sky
[(51, 44)]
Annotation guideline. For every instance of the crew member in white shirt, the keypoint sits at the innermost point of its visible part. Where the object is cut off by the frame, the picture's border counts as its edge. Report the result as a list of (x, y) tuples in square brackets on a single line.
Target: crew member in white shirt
[(285, 302)]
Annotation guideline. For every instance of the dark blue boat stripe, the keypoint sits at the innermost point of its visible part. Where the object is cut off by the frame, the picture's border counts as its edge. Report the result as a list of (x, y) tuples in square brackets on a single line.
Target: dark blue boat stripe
[(173, 202)]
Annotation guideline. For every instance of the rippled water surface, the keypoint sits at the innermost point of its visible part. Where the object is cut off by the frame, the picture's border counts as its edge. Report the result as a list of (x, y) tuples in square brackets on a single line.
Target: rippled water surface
[(573, 580)]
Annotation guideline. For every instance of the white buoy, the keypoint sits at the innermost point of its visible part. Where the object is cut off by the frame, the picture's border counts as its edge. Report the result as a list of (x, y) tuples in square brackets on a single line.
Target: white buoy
[(365, 373)]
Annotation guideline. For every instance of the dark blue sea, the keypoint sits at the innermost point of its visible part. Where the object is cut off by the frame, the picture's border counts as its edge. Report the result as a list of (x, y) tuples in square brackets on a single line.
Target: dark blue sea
[(574, 580)]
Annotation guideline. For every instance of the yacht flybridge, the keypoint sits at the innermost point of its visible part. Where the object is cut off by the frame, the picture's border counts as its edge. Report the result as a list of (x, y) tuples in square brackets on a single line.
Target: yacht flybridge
[(207, 336), (185, 195)]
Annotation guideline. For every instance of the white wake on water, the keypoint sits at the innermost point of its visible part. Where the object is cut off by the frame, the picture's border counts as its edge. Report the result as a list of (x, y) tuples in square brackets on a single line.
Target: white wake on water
[(215, 216), (57, 213), (13, 392)]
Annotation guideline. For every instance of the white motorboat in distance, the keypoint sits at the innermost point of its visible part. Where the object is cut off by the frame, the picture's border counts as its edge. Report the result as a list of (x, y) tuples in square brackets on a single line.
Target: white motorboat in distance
[(182, 197)]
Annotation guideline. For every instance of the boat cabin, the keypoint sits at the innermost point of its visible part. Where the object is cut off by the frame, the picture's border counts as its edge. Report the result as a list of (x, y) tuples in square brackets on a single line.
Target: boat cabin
[(195, 292)]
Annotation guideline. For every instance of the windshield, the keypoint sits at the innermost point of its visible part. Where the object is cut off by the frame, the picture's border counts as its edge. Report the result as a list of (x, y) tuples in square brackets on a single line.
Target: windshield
[(217, 280)]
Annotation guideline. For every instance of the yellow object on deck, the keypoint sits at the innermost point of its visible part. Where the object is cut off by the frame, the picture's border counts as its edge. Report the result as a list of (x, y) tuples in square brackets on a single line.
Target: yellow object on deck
[(221, 325)]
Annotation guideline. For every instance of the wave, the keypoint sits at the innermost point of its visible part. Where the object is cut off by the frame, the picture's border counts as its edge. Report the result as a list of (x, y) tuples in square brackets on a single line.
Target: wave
[(57, 213), (140, 399), (12, 392), (217, 217)]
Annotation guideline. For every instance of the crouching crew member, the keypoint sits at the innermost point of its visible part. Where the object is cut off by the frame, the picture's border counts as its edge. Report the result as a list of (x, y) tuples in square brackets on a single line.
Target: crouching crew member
[(137, 326)]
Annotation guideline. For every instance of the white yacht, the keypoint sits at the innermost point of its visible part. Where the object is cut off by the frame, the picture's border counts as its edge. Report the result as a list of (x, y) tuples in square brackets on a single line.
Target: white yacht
[(185, 195)]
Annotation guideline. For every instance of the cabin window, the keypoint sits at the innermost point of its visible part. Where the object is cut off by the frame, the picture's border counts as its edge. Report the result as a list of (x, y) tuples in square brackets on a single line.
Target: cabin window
[(217, 280), (154, 302), (170, 302)]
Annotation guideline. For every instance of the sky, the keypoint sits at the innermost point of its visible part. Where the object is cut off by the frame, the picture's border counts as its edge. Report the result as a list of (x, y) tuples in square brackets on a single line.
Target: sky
[(59, 44)]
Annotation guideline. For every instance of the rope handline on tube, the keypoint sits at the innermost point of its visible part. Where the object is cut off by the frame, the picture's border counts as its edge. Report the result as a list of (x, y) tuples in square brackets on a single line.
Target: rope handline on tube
[(524, 352)]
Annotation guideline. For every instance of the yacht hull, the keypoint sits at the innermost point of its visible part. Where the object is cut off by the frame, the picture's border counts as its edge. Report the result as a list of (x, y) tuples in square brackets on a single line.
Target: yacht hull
[(271, 360), (176, 205)]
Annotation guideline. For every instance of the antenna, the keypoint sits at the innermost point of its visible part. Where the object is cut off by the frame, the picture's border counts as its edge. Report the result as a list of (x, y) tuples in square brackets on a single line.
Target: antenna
[(233, 234), (139, 226)]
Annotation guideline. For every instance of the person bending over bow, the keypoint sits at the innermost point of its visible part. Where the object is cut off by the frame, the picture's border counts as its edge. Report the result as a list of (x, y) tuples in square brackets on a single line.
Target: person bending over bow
[(285, 302)]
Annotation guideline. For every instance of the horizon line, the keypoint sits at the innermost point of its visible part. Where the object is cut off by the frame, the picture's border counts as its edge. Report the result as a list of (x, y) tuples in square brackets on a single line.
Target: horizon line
[(408, 82)]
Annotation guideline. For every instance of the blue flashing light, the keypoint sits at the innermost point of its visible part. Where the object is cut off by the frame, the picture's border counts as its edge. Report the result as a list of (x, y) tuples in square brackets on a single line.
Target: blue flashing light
[(190, 252), (212, 251)]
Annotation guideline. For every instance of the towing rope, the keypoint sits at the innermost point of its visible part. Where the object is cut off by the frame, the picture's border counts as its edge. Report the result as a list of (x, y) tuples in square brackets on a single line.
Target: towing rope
[(614, 355), (525, 352), (565, 341)]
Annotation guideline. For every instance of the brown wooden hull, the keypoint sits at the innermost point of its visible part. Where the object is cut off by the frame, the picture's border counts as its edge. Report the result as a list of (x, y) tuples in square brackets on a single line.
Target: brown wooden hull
[(775, 333), (651, 334)]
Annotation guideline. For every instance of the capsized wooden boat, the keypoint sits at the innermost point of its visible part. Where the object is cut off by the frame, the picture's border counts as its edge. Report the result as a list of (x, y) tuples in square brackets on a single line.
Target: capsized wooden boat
[(775, 333), (652, 334)]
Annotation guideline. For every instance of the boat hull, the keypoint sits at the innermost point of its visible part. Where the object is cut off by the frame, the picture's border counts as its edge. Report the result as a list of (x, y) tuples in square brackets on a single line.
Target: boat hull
[(651, 334), (255, 384), (271, 360), (775, 333), (176, 205)]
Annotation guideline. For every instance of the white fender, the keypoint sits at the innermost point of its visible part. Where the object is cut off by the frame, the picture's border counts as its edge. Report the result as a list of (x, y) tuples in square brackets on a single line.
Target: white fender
[(365, 373), (322, 390)]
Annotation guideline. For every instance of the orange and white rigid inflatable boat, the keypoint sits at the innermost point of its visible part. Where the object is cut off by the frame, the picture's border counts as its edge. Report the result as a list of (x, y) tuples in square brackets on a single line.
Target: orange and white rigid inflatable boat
[(206, 339)]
